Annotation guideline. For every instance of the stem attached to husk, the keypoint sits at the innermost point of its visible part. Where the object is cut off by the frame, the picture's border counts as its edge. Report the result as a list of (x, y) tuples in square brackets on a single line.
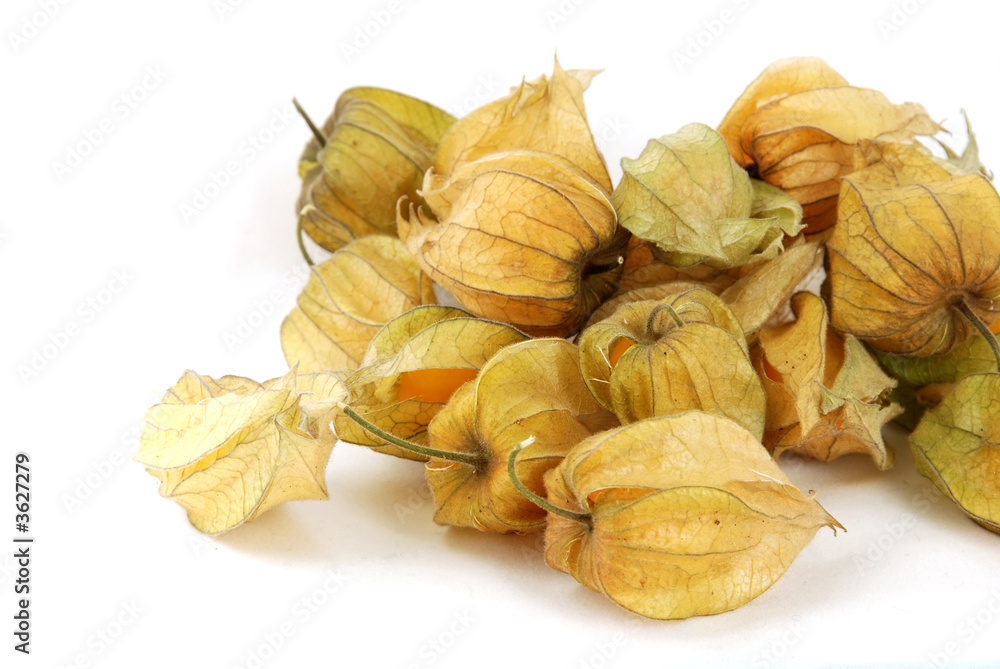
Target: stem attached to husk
[(984, 329), (541, 502), (651, 319), (302, 243), (309, 122), (322, 143), (474, 461)]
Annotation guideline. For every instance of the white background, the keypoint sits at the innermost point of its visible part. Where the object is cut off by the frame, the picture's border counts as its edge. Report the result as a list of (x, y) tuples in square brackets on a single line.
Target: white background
[(881, 594)]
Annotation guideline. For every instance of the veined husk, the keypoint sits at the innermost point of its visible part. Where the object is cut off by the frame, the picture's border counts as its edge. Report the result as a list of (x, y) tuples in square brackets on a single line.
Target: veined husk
[(378, 145), (545, 115), (968, 161), (424, 338), (687, 196), (689, 516), (520, 237), (530, 389), (972, 356), (912, 240), (229, 449), (643, 269), (888, 164), (924, 381), (797, 124), (348, 299), (763, 293), (826, 395), (957, 446), (518, 223), (655, 292), (703, 364)]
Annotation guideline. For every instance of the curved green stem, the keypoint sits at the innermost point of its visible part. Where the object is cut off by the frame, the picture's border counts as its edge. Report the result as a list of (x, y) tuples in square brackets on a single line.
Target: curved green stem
[(541, 502), (464, 458), (984, 329), (309, 122), (661, 307), (302, 243)]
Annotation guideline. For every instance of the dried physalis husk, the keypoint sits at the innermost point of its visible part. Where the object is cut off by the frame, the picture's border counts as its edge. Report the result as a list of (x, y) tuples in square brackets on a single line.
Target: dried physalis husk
[(518, 225), (763, 292), (826, 395), (780, 79), (347, 299), (887, 164), (412, 368), (378, 143), (531, 389), (797, 123), (524, 238), (687, 351), (972, 356), (655, 292), (544, 115), (924, 381), (642, 269), (687, 196), (911, 262), (677, 516), (229, 449), (968, 161), (957, 446)]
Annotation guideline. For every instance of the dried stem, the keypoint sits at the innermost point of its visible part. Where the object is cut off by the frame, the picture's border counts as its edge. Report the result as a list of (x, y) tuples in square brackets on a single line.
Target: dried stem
[(302, 243), (309, 122), (464, 458), (661, 307), (541, 502), (984, 329)]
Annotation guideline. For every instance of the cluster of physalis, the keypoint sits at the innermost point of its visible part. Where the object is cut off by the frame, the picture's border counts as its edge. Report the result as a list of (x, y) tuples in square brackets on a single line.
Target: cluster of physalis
[(627, 363)]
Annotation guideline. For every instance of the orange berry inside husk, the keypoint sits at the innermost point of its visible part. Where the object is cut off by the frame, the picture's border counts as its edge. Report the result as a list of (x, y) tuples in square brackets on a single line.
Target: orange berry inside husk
[(433, 385), (771, 372), (618, 350)]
